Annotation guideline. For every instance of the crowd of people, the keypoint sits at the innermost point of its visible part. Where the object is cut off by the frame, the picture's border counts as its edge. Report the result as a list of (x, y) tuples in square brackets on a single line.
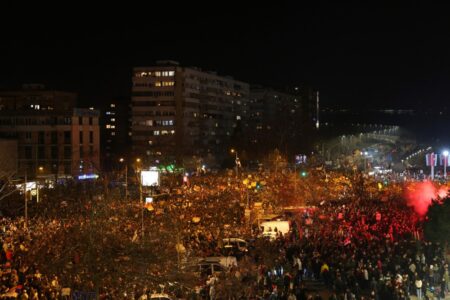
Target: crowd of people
[(349, 248)]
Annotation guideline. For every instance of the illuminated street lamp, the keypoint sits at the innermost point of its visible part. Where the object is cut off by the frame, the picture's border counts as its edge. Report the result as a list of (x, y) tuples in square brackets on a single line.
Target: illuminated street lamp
[(141, 199), (41, 170), (236, 161), (126, 178)]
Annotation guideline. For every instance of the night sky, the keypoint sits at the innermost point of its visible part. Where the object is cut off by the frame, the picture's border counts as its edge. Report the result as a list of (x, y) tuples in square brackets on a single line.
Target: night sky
[(356, 54)]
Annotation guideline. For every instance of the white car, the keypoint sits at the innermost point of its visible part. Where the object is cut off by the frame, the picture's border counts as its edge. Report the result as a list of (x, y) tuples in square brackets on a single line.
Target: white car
[(235, 243)]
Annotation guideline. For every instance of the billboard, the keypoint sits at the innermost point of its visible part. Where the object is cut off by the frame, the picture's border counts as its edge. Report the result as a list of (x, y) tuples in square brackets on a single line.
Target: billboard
[(150, 178)]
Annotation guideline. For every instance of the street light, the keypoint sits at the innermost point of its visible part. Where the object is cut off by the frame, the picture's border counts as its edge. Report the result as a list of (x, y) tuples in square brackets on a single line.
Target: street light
[(365, 154), (41, 169), (126, 178), (138, 169), (236, 161), (445, 154)]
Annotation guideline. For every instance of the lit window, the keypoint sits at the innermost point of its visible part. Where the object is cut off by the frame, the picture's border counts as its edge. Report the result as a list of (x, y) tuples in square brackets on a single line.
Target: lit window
[(113, 105), (150, 142), (91, 108), (171, 73), (164, 132), (113, 119), (168, 83), (167, 122), (108, 112), (238, 117), (156, 132), (158, 83), (113, 133), (113, 126), (108, 126), (157, 73), (172, 131)]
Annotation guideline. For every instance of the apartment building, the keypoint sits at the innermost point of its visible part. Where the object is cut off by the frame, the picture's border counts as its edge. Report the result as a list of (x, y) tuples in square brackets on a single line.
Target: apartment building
[(279, 119), (184, 111), (53, 136), (115, 129)]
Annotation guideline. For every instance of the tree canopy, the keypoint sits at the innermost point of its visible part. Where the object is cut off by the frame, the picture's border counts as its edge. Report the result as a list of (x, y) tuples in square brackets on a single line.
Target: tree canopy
[(437, 226)]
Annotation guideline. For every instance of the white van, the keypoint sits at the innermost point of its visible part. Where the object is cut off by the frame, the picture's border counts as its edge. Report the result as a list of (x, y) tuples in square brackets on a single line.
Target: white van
[(272, 228)]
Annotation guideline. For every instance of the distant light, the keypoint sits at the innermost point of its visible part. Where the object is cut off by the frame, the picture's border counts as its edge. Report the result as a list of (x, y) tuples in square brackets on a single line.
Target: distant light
[(87, 176), (445, 153)]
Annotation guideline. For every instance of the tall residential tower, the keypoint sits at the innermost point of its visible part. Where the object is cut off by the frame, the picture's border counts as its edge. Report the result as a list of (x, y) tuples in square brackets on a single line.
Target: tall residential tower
[(183, 111)]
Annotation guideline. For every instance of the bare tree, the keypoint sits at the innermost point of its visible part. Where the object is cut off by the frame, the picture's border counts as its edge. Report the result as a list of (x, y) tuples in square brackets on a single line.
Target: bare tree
[(6, 183)]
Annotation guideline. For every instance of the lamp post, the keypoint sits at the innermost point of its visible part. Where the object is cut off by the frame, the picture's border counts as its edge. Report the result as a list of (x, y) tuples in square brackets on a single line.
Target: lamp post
[(236, 161), (26, 200), (138, 161), (365, 161), (40, 169), (445, 154), (126, 178)]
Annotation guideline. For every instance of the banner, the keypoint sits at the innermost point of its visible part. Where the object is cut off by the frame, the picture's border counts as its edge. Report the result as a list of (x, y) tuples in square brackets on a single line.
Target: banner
[(431, 159)]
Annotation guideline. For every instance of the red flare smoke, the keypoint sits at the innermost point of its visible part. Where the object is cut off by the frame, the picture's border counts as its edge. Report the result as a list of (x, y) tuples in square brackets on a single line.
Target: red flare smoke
[(420, 195)]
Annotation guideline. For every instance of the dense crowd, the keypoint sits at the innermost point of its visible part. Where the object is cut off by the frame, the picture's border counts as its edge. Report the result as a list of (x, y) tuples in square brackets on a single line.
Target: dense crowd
[(360, 249)]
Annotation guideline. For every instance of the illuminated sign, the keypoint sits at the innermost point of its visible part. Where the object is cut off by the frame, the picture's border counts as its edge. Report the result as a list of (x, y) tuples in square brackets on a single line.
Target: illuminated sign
[(31, 185), (87, 176), (150, 178)]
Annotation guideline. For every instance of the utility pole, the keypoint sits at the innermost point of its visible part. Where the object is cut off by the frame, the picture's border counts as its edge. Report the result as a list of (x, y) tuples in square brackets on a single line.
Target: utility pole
[(26, 200), (126, 182), (141, 200)]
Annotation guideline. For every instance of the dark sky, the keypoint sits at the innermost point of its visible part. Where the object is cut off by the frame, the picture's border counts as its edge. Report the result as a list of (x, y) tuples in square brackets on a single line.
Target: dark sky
[(354, 53)]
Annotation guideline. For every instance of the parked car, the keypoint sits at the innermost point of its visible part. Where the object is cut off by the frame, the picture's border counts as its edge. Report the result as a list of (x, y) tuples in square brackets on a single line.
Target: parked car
[(210, 265), (234, 247)]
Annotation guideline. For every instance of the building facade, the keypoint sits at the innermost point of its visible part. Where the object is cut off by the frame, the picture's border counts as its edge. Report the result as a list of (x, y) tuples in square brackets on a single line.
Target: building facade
[(115, 131), (53, 136), (8, 157), (281, 120), (180, 112)]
